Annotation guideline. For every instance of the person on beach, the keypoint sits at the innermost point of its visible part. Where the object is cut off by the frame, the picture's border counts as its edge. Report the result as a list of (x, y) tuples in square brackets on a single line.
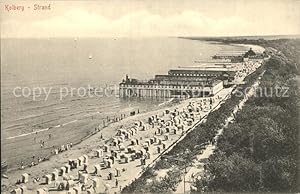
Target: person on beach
[(83, 188), (117, 183), (22, 165)]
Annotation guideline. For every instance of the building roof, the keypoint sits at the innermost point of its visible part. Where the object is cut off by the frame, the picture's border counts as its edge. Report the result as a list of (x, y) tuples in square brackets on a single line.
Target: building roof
[(217, 68)]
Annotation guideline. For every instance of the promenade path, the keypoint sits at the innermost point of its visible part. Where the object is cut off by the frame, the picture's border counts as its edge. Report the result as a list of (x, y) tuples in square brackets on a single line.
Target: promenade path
[(196, 169)]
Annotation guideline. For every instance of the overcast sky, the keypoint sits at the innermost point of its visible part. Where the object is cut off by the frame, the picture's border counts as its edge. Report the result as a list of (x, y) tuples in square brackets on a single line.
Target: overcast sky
[(132, 18)]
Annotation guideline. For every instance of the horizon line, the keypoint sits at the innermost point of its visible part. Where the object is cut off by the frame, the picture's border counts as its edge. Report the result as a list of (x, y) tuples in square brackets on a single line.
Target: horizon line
[(193, 36)]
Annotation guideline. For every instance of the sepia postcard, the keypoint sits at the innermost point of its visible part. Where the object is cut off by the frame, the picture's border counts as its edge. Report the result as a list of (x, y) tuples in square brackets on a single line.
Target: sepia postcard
[(150, 96)]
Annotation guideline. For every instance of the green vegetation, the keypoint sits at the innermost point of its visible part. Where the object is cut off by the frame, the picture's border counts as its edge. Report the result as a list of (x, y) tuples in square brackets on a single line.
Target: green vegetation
[(259, 151)]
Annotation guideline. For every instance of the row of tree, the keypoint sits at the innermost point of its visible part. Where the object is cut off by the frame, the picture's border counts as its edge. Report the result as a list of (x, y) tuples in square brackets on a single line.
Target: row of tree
[(259, 151)]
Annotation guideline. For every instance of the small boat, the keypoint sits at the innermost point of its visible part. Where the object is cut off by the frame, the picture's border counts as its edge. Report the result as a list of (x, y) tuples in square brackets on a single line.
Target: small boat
[(90, 57)]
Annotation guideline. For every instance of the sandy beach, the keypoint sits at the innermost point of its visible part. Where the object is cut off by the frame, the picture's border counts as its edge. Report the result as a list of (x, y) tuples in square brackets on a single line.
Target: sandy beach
[(95, 142)]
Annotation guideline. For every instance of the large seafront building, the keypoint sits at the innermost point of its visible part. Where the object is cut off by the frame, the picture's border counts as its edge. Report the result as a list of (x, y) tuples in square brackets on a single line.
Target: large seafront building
[(185, 82), (180, 83)]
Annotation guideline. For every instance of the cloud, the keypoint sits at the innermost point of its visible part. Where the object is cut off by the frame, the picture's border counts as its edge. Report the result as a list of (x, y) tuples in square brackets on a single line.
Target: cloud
[(81, 23)]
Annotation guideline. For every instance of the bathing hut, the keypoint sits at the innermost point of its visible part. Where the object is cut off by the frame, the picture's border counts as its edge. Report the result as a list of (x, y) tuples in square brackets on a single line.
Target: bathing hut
[(166, 137), (133, 142), (143, 161), (77, 190), (83, 178), (137, 123), (85, 168), (25, 178), (85, 159), (134, 129), (176, 121), (106, 148), (96, 182), (115, 142), (143, 151), (132, 156), (121, 147), (99, 153), (74, 164), (190, 108), (147, 142), (117, 172), (159, 131), (122, 137), (68, 168), (174, 131), (180, 127), (23, 189), (80, 161), (54, 175), (122, 155), (146, 147), (120, 140), (110, 176), (158, 149), (59, 185), (41, 191), (48, 179), (120, 132), (65, 177), (90, 191), (62, 171), (189, 121), (130, 149), (16, 191), (108, 163), (97, 168), (127, 135), (107, 156), (125, 159), (148, 155), (68, 146), (159, 141), (131, 132)]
